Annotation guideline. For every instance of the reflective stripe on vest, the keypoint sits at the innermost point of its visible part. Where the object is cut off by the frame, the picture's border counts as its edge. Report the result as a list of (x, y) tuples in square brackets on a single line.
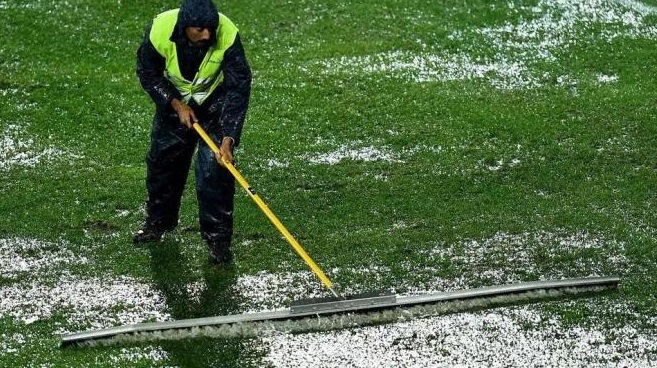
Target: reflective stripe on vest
[(209, 75)]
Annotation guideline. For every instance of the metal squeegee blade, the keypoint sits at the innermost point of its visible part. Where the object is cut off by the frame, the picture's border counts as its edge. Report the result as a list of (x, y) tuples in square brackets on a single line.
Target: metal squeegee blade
[(350, 303), (343, 307)]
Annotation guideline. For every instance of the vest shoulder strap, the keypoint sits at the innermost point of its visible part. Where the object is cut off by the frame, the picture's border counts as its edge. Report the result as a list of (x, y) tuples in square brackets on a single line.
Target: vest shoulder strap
[(162, 29)]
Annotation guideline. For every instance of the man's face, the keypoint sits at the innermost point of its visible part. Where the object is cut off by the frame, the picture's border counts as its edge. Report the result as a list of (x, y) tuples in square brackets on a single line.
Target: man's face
[(198, 36)]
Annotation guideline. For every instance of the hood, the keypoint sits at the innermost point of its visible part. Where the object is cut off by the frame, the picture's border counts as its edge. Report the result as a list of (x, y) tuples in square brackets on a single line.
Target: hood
[(196, 13)]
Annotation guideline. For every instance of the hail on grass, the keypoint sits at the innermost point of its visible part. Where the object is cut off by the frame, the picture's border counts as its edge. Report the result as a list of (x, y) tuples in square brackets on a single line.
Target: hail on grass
[(18, 150), (518, 47)]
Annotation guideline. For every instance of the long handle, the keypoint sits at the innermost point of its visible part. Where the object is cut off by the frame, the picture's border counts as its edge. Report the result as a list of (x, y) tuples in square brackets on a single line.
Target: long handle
[(263, 206)]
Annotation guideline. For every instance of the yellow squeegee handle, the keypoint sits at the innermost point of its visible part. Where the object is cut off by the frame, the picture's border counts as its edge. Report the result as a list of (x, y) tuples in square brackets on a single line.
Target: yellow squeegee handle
[(263, 206)]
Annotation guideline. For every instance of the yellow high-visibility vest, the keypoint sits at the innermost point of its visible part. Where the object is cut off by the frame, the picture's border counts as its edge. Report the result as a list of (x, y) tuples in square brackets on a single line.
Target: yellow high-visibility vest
[(209, 75)]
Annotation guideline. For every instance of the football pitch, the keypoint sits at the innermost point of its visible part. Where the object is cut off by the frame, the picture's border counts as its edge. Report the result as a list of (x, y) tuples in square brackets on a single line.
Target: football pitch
[(413, 146)]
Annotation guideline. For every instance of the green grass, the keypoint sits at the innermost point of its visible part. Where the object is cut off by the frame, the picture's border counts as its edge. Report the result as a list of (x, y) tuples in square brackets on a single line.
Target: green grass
[(586, 158)]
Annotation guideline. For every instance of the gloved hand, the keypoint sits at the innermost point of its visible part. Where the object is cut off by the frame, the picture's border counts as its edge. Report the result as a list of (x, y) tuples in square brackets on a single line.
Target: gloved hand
[(185, 113), (225, 151)]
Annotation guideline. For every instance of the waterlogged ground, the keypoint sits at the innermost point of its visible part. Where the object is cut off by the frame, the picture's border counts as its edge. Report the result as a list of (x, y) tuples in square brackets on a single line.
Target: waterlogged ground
[(527, 335), (46, 288)]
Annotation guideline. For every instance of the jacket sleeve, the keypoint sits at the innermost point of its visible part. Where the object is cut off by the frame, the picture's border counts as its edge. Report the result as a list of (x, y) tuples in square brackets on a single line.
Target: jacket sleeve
[(150, 70), (237, 84)]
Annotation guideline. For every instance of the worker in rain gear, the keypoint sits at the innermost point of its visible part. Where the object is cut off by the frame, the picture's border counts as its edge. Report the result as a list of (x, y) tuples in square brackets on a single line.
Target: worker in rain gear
[(192, 64)]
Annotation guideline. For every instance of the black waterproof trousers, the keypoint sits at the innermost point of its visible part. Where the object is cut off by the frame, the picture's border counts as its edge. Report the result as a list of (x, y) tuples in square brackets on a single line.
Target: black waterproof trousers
[(168, 163)]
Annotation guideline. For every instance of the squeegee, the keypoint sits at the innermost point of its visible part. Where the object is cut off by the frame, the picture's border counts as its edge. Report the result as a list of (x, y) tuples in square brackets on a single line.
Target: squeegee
[(342, 313)]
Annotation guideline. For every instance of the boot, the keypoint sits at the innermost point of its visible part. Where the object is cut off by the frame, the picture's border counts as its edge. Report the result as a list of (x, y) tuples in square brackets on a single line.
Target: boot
[(148, 234), (220, 253)]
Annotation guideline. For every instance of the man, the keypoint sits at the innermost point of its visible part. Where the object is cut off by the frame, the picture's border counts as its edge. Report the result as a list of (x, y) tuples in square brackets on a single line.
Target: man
[(192, 64)]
